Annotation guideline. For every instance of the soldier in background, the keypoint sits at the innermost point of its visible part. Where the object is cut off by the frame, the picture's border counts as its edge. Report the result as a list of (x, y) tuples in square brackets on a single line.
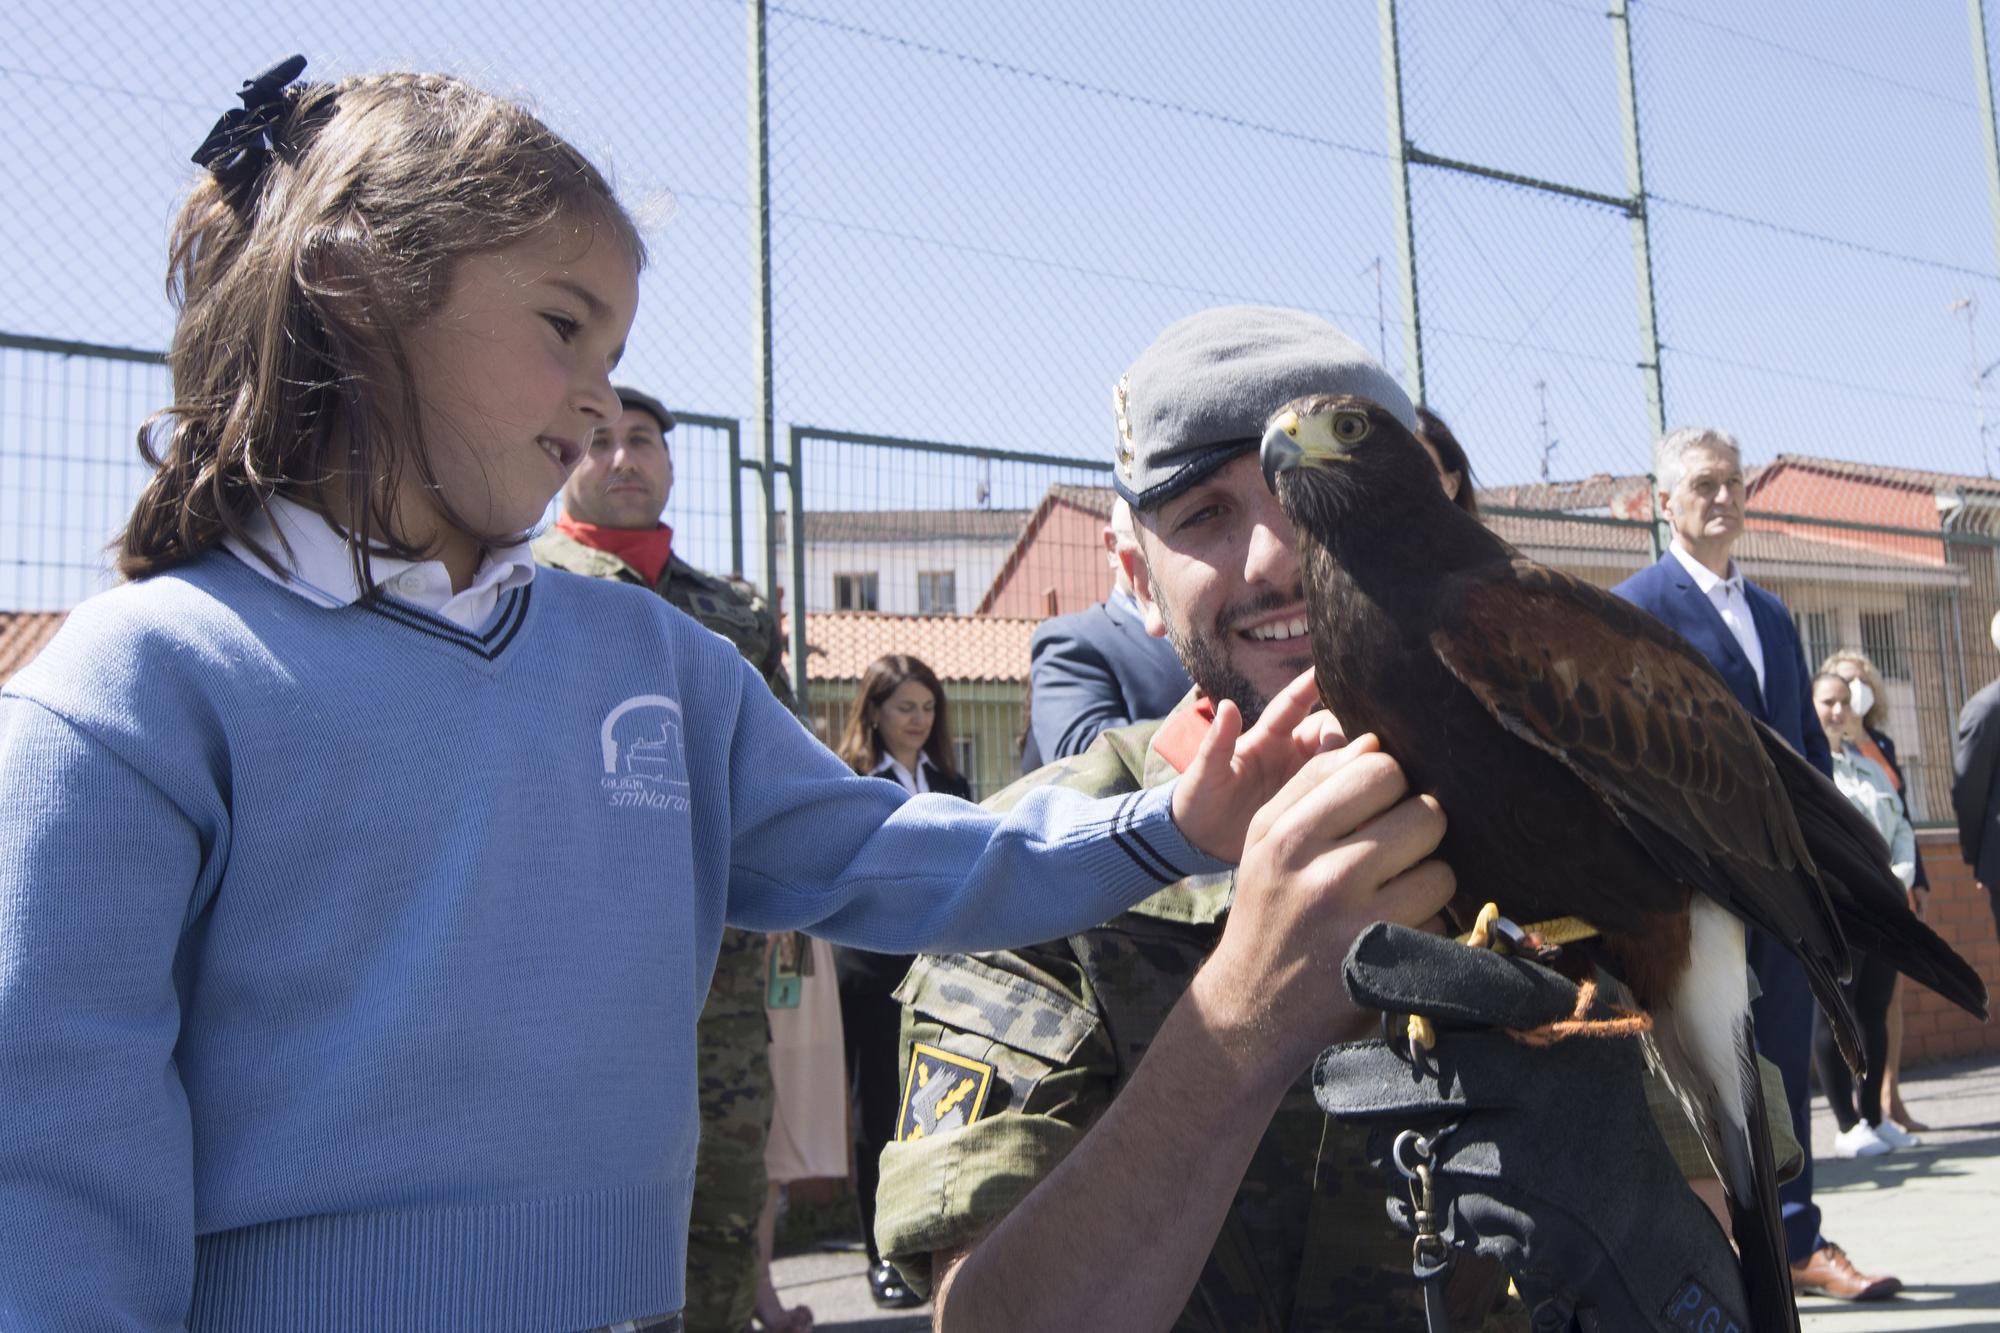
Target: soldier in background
[(610, 529)]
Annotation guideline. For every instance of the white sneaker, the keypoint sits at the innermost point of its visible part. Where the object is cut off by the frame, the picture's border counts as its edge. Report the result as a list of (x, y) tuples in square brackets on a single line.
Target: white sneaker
[(1896, 1136), (1861, 1141)]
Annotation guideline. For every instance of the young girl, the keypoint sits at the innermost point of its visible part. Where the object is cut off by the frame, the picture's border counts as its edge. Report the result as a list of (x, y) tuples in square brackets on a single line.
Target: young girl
[(359, 885)]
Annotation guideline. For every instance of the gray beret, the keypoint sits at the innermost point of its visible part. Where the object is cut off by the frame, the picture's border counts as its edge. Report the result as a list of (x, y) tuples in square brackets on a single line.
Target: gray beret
[(1201, 394), (629, 398)]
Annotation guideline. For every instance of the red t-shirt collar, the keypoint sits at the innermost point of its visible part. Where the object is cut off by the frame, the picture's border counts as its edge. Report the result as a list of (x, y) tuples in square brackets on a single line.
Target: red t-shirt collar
[(1180, 739), (647, 550)]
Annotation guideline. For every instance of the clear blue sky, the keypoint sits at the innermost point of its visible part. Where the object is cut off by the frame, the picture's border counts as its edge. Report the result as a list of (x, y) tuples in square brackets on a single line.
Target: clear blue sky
[(983, 211)]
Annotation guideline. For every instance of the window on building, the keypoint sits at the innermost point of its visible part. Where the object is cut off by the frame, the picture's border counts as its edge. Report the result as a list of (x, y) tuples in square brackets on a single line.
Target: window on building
[(1816, 631), (937, 592), (856, 592), (1882, 639), (965, 753)]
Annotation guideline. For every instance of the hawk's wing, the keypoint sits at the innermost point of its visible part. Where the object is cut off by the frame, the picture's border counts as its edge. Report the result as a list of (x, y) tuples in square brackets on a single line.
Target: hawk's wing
[(1644, 720)]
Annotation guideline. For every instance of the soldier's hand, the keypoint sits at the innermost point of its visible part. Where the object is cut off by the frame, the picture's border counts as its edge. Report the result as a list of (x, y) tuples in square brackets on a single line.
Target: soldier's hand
[(1236, 772), (1341, 846)]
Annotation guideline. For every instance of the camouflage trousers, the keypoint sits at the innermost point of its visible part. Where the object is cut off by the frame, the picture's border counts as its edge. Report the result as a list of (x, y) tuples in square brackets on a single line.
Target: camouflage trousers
[(733, 1062)]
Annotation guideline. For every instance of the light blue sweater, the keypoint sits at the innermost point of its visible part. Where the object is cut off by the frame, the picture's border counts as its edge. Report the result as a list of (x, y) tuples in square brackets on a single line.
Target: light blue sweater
[(349, 960)]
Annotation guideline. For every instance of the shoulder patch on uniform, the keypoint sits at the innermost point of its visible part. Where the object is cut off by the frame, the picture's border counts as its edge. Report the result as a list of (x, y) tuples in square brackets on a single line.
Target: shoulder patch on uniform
[(944, 1091)]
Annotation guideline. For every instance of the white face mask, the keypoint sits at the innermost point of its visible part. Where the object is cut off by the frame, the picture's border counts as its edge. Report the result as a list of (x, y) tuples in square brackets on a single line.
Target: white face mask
[(1859, 697)]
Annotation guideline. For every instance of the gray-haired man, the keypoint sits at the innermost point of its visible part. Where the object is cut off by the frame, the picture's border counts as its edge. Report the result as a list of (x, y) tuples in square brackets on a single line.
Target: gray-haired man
[(1747, 634)]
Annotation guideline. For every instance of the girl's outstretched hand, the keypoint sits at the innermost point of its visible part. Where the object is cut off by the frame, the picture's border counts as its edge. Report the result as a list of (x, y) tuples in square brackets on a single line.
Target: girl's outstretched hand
[(1236, 772)]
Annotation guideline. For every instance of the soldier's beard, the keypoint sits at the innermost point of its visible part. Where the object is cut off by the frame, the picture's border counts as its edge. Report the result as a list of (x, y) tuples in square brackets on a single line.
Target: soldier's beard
[(1206, 655)]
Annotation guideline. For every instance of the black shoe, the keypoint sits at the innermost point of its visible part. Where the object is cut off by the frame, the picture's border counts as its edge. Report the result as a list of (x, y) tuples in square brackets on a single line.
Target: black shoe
[(889, 1289)]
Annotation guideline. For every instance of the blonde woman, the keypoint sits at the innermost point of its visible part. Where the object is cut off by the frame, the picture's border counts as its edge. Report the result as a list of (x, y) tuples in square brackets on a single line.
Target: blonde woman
[(1868, 712)]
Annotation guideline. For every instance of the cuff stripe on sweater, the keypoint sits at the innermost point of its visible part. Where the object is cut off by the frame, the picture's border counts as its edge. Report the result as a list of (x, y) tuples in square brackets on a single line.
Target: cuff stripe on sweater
[(1129, 841)]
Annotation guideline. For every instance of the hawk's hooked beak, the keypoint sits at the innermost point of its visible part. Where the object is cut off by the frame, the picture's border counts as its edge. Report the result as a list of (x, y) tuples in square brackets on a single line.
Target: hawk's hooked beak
[(1280, 450)]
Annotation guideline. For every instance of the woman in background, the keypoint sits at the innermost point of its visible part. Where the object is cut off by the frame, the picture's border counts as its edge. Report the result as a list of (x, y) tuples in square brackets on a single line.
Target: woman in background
[(898, 729), (808, 1139), (1864, 1130), (1867, 712)]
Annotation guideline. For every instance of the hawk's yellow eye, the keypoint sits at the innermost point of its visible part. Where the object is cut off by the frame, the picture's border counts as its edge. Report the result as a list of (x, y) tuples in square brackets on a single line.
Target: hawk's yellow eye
[(1350, 427)]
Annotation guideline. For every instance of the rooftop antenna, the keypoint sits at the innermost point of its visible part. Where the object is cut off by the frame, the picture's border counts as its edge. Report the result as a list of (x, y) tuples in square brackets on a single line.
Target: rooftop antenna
[(1381, 320), (1548, 445), (1970, 305)]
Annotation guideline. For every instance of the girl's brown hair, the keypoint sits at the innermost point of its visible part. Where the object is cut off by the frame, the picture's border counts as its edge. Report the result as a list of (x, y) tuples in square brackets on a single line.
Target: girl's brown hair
[(860, 748), (292, 288)]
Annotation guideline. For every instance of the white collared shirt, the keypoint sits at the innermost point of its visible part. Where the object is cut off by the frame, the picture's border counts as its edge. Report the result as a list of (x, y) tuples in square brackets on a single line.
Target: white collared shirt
[(1726, 595), (915, 783), (321, 572)]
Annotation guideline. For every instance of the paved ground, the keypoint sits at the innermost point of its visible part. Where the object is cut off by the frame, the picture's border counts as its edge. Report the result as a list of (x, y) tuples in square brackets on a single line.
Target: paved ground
[(835, 1285), (1925, 1214)]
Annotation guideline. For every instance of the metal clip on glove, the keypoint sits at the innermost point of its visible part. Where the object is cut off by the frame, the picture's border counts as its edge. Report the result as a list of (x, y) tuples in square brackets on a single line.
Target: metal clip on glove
[(1544, 1157)]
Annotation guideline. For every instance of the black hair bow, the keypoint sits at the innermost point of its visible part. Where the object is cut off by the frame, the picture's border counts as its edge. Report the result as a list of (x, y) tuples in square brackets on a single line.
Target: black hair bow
[(238, 149)]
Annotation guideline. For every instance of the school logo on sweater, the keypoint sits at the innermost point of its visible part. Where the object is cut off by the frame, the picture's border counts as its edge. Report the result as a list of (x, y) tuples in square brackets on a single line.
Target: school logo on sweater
[(645, 767)]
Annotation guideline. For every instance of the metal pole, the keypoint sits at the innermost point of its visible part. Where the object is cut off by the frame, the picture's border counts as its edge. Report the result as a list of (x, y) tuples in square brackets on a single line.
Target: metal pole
[(1949, 524), (764, 422), (28, 342), (734, 433), (796, 535), (1399, 174), (1983, 61), (1642, 250)]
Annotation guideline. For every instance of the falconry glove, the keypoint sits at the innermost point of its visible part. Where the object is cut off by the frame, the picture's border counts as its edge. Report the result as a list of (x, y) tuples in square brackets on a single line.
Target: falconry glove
[(1542, 1156)]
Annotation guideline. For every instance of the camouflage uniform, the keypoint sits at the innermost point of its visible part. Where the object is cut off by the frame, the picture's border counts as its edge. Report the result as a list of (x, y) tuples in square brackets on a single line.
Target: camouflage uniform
[(1009, 1057), (732, 1037)]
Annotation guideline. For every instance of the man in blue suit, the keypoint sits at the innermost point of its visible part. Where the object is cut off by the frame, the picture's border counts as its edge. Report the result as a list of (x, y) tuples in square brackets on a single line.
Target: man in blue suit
[(1975, 784), (1098, 668), (1747, 634)]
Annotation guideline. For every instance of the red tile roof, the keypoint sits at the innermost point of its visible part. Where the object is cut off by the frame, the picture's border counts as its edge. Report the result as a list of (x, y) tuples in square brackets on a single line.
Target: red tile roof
[(1757, 545), (1597, 492), (1097, 499), (841, 644), (1921, 478), (1094, 500), (890, 525), (22, 634)]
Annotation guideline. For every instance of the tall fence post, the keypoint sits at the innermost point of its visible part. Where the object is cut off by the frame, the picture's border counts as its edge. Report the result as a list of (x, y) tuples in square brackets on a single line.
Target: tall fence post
[(1642, 249), (736, 465), (764, 422), (1399, 167), (795, 535), (1983, 62)]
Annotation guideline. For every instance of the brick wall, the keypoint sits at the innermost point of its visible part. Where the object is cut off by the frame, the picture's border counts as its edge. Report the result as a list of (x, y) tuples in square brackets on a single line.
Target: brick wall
[(1961, 912)]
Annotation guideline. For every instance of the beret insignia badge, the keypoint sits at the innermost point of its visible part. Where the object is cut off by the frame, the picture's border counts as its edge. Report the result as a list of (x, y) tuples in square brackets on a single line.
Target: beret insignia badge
[(1120, 392)]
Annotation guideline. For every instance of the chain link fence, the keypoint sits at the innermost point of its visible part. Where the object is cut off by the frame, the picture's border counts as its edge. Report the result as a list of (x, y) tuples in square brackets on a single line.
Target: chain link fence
[(977, 216)]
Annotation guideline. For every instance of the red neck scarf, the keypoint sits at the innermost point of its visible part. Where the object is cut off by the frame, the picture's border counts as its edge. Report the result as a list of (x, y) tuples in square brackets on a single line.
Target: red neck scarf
[(647, 550), (1179, 741)]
